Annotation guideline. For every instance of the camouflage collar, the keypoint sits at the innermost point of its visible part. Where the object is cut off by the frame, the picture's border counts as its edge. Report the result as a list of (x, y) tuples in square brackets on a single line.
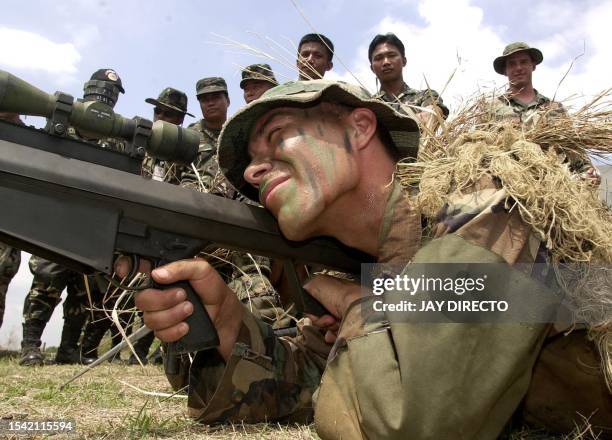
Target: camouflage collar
[(212, 133), (537, 101), (400, 232), (406, 90)]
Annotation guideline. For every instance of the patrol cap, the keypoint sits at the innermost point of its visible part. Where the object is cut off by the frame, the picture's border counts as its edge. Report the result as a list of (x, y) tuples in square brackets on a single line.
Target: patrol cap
[(108, 75), (234, 139), (171, 99), (260, 72), (210, 85), (499, 64)]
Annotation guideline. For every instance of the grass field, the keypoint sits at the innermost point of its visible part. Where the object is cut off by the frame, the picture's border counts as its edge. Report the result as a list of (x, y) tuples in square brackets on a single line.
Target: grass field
[(104, 404)]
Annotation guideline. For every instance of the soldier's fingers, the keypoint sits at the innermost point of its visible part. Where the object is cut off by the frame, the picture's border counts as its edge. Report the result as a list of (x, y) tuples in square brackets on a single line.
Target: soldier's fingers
[(123, 266), (204, 279), (174, 333), (335, 294), (330, 337), (322, 321), (153, 300), (168, 318)]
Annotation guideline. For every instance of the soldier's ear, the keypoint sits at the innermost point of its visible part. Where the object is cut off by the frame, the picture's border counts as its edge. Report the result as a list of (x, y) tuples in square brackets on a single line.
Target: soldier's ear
[(364, 123), (330, 66), (404, 61)]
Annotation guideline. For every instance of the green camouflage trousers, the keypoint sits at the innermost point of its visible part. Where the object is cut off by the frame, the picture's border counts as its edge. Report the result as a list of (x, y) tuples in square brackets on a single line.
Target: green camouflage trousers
[(9, 265), (50, 279)]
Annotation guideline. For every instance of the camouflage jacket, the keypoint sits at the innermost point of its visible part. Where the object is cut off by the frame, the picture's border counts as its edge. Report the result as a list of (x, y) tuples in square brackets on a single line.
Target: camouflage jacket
[(419, 98), (208, 177), (508, 107), (392, 380)]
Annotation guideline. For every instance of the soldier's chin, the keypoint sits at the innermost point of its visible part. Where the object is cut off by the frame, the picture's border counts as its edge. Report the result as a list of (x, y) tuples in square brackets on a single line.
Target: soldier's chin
[(293, 231)]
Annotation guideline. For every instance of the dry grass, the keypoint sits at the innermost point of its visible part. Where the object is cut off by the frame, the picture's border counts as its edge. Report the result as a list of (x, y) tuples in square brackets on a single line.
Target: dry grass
[(103, 407)]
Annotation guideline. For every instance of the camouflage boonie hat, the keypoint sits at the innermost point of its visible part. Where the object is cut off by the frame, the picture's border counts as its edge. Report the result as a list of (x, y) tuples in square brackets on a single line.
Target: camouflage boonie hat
[(500, 62), (234, 139), (210, 85), (108, 75), (171, 99), (260, 72)]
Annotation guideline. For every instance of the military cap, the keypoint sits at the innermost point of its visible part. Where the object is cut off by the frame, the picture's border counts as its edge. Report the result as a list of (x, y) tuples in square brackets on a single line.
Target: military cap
[(211, 85), (171, 99), (108, 75), (260, 72), (234, 139), (500, 62)]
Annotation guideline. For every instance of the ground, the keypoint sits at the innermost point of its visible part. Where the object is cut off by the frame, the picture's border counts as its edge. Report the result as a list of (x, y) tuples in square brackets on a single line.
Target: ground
[(103, 404)]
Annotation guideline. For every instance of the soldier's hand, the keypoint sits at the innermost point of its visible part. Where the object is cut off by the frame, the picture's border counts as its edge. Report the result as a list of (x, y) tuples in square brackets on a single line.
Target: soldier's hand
[(335, 294), (591, 176), (165, 310)]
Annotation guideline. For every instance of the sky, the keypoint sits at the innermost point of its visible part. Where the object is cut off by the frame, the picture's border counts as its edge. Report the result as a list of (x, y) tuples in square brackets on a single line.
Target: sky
[(159, 43)]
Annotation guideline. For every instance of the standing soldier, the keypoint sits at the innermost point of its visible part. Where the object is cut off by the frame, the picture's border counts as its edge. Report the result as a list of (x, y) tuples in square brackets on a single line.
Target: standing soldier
[(314, 57), (523, 104), (204, 172), (256, 79), (50, 279), (387, 57)]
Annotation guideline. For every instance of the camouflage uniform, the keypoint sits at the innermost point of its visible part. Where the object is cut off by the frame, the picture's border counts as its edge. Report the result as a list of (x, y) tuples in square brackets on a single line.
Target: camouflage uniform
[(419, 98), (10, 258), (384, 379), (50, 279)]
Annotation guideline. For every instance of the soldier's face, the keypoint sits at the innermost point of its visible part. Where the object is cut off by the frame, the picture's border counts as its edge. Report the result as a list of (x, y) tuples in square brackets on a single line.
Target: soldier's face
[(387, 62), (519, 69), (313, 61), (302, 163), (167, 115), (214, 106), (254, 88)]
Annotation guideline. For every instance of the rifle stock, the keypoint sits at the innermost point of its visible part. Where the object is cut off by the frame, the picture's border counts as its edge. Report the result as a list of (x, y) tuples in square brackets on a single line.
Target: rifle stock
[(82, 213)]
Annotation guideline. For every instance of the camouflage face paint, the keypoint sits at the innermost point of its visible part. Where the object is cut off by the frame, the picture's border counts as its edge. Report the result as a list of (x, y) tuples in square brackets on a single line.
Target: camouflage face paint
[(320, 130), (347, 142)]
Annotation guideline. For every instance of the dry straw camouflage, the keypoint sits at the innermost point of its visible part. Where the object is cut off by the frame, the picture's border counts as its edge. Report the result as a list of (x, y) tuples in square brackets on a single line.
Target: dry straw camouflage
[(500, 62), (259, 72), (171, 99), (211, 85), (234, 139)]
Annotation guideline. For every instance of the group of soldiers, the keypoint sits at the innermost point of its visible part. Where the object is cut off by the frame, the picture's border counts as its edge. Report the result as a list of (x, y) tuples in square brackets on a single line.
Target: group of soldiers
[(251, 277)]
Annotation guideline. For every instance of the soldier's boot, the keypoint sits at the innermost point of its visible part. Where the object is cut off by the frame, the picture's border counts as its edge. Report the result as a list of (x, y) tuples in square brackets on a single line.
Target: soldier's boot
[(69, 351), (156, 358), (92, 336), (30, 345), (142, 349)]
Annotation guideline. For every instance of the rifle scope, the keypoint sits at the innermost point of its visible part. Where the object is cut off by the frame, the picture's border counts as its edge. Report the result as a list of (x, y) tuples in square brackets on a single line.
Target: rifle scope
[(96, 119)]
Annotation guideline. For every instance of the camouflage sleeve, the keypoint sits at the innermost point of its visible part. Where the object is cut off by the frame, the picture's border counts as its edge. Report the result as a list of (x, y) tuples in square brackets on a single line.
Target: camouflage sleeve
[(430, 97), (200, 175), (266, 378), (251, 282)]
